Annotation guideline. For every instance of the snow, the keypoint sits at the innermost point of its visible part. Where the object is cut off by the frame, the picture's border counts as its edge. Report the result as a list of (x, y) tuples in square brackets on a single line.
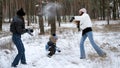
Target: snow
[(69, 57), (104, 22)]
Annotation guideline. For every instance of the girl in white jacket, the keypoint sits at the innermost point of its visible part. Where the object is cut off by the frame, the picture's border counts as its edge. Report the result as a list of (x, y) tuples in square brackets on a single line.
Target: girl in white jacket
[(86, 26)]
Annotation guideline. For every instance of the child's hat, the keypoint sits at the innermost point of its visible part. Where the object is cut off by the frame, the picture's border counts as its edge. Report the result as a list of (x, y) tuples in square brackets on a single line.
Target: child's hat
[(55, 36)]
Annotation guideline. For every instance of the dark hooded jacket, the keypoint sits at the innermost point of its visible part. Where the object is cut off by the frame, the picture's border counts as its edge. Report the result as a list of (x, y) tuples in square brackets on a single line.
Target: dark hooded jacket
[(17, 25)]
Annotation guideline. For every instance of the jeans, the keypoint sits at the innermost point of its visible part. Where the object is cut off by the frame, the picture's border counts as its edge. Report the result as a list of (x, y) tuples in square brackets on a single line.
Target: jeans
[(82, 50), (21, 50)]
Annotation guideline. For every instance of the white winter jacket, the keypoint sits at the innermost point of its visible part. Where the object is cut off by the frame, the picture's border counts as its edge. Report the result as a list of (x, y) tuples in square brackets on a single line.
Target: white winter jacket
[(85, 21)]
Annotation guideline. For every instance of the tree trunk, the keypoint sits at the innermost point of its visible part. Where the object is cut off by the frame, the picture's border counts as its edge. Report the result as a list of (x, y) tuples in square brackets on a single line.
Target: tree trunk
[(41, 25), (103, 10), (58, 16), (51, 19), (114, 10), (53, 25), (119, 8), (58, 19), (1, 15), (108, 12)]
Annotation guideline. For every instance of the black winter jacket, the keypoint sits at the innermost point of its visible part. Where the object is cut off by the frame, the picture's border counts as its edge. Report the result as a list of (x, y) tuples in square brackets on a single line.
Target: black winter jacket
[(17, 25), (51, 45)]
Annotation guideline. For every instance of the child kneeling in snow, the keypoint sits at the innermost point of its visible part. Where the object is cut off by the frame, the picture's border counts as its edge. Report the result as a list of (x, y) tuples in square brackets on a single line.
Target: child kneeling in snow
[(51, 45)]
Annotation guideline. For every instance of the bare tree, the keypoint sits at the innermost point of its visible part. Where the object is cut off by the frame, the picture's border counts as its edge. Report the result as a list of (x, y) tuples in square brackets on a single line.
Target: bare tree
[(50, 11), (1, 15), (41, 23), (114, 10)]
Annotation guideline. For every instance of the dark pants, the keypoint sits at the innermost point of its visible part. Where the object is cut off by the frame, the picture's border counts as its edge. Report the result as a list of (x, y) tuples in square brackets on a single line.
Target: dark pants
[(52, 50), (21, 50)]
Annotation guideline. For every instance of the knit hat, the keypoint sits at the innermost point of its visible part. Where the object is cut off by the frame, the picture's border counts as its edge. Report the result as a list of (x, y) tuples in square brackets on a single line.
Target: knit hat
[(54, 35), (20, 12), (53, 38), (83, 10)]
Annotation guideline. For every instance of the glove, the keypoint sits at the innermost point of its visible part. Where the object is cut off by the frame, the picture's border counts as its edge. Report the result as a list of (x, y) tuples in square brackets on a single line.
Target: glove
[(29, 30), (59, 50), (72, 19)]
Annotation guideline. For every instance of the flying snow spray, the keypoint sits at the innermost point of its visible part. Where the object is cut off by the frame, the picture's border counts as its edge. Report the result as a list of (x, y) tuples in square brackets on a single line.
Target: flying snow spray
[(51, 9)]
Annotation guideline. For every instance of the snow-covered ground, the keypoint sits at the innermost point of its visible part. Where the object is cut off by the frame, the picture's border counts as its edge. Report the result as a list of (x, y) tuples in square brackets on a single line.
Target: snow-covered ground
[(68, 42)]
